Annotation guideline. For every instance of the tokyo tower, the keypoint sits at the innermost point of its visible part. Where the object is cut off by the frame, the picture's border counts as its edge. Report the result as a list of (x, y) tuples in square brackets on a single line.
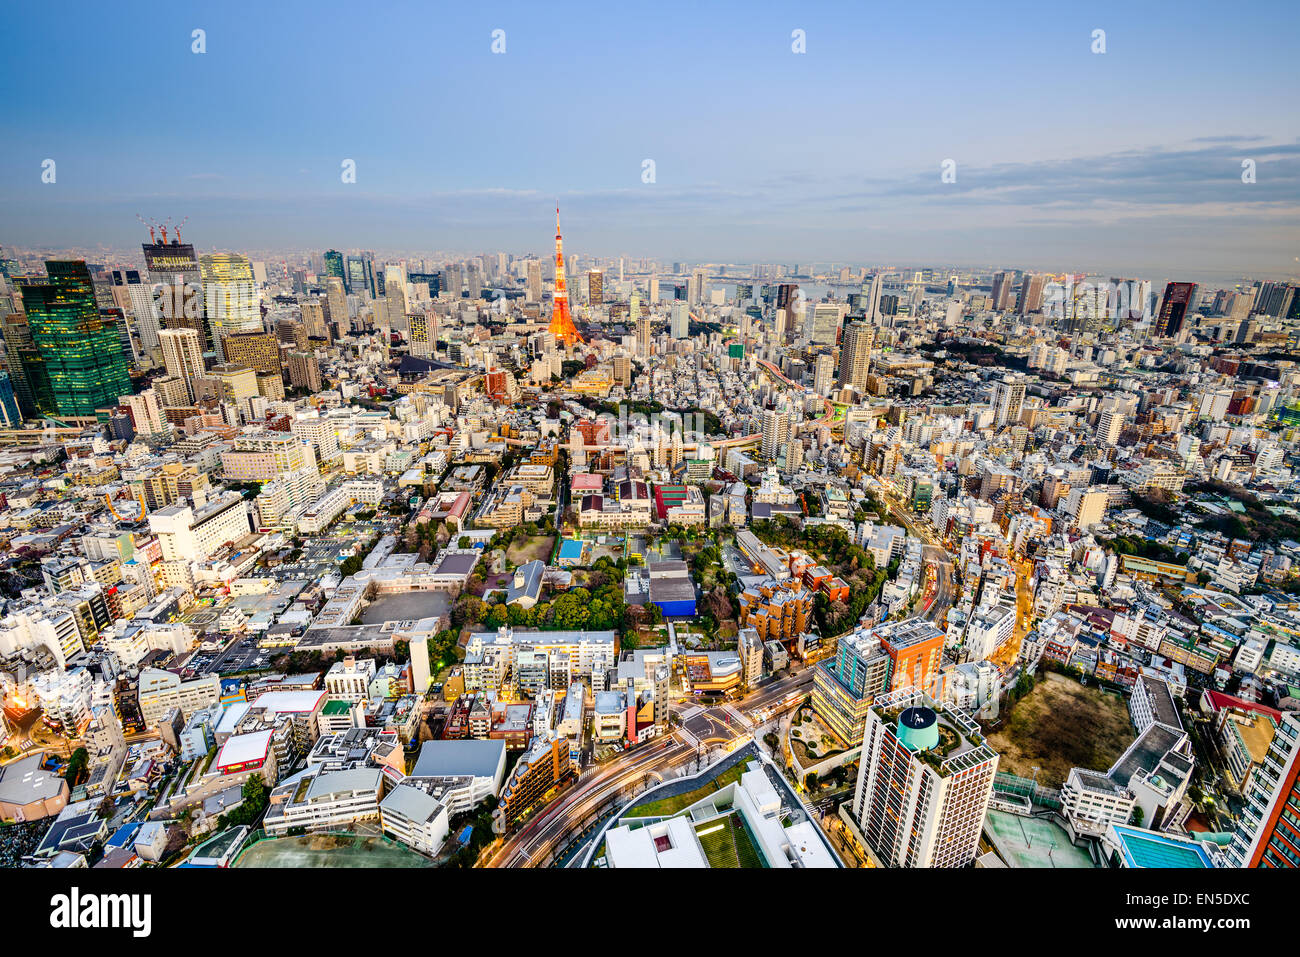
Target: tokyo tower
[(562, 326)]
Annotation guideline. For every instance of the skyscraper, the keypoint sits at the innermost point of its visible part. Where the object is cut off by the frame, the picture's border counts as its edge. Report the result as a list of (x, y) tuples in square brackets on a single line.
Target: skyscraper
[(562, 326), (855, 355), (643, 342), (451, 280), (823, 323), (334, 264), (336, 305), (1002, 291), (80, 347), (176, 278), (873, 299), (313, 318), (696, 289), (229, 297), (533, 282), (595, 287), (11, 416), (26, 367), (679, 320), (1031, 294), (361, 276), (1174, 306)]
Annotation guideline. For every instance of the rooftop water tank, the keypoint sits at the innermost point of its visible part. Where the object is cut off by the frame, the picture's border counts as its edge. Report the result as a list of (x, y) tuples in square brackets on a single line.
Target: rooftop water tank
[(918, 728)]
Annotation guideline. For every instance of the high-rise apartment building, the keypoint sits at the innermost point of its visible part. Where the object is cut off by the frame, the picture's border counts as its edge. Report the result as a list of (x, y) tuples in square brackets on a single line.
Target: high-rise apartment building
[(855, 355), (1008, 398), (595, 287), (1109, 427), (1002, 286), (924, 783), (777, 424), (1268, 833), (182, 352), (1031, 294)]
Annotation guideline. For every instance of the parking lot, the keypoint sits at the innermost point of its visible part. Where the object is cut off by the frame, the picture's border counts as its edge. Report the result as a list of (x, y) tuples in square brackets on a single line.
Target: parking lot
[(242, 654)]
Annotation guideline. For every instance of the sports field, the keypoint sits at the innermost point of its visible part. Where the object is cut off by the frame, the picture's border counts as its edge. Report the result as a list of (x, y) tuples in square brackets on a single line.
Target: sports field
[(330, 850), (1033, 842)]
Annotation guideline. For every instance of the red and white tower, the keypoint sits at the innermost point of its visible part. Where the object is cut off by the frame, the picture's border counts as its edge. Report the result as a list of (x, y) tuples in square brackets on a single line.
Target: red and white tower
[(562, 326)]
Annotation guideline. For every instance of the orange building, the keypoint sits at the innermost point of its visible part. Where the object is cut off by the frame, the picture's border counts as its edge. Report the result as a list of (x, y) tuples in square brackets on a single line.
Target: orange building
[(915, 656)]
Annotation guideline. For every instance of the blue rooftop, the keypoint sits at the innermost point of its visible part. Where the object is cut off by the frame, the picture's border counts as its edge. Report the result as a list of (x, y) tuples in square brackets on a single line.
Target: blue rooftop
[(123, 836)]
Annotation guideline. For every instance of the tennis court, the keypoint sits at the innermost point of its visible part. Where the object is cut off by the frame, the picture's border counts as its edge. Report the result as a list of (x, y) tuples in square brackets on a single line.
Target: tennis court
[(1033, 842)]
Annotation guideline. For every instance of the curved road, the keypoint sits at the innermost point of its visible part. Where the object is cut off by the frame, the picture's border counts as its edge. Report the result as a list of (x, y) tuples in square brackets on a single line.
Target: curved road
[(544, 835)]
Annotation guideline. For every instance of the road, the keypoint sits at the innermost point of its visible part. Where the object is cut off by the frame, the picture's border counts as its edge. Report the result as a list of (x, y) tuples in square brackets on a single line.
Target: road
[(945, 592), (546, 834)]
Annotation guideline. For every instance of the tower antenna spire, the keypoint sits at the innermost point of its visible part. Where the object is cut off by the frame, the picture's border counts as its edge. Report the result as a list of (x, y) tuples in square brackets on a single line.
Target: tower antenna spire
[(562, 326)]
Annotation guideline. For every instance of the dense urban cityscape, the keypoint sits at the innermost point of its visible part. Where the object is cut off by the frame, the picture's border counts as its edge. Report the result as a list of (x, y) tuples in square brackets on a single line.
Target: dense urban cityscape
[(503, 438), (535, 561)]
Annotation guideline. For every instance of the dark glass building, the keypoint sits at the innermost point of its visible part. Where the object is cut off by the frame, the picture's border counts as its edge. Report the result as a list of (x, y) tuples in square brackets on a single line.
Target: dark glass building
[(80, 347)]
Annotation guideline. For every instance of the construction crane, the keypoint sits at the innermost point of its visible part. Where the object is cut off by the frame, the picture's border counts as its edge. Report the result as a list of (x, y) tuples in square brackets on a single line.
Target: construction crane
[(178, 228), (150, 225)]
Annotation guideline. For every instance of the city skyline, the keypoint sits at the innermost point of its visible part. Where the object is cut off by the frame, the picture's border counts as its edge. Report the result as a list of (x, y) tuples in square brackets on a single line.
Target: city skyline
[(1064, 158)]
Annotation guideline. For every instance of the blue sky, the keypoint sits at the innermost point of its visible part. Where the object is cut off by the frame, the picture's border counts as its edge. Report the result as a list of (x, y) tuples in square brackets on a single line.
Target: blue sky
[(1127, 161)]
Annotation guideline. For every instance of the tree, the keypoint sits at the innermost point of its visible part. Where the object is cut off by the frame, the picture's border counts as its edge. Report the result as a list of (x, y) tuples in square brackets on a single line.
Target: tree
[(810, 781), (76, 769)]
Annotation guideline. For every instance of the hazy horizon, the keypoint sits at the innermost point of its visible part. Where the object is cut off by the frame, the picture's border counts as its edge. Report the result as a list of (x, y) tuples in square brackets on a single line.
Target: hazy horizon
[(1065, 160)]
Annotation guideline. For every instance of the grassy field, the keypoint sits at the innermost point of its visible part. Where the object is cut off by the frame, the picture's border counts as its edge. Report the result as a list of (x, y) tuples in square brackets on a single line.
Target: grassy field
[(528, 549), (726, 843), (1061, 725), (667, 806)]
